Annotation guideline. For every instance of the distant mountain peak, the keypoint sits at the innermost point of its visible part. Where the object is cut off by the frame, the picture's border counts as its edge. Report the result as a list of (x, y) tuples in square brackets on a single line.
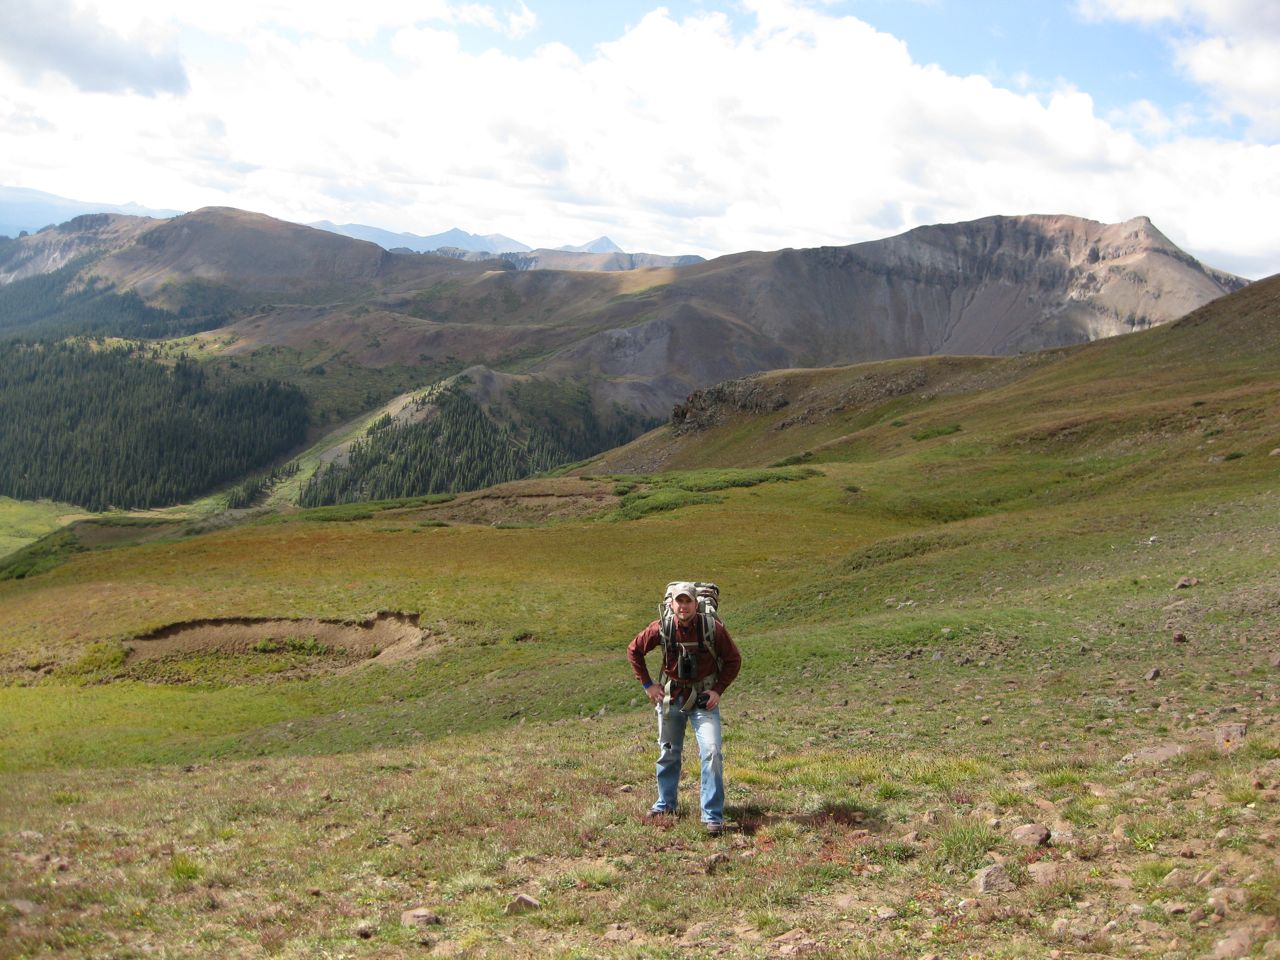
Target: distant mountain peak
[(454, 237), (598, 245)]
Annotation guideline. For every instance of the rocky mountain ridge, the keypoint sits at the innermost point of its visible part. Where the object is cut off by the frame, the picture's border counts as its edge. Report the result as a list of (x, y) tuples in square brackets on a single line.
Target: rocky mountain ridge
[(645, 339)]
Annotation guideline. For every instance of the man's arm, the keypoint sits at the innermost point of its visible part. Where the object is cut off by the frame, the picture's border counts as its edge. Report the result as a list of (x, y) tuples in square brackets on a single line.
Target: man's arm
[(644, 641), (730, 660)]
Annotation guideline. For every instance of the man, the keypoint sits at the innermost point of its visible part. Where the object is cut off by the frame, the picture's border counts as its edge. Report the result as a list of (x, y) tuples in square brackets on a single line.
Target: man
[(696, 671)]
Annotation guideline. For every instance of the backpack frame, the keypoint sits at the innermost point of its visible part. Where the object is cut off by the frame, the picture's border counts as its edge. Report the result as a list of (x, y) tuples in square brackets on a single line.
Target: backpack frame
[(708, 597)]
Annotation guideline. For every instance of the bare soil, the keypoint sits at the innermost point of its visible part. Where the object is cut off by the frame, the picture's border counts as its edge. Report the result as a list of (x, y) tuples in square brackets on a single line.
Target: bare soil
[(383, 637)]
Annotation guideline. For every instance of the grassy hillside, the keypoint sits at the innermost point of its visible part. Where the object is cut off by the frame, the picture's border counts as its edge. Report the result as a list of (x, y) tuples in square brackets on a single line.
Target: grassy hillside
[(956, 587), (22, 521)]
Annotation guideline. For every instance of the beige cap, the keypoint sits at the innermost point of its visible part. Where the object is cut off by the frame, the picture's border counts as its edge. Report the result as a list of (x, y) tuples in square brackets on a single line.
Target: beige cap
[(683, 588)]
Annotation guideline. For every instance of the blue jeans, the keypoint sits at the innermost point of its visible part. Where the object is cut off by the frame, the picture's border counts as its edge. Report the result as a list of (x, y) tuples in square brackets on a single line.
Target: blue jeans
[(706, 728)]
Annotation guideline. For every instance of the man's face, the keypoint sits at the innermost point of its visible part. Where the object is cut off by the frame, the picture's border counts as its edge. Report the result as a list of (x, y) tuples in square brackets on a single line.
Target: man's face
[(684, 607)]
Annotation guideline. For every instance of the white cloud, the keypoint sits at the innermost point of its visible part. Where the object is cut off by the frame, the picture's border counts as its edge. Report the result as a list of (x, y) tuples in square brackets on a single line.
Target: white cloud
[(1231, 47), (329, 19), (681, 135), (50, 38)]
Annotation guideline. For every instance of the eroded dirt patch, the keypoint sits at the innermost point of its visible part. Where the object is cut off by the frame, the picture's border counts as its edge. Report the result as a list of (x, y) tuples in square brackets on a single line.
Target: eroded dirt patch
[(241, 648)]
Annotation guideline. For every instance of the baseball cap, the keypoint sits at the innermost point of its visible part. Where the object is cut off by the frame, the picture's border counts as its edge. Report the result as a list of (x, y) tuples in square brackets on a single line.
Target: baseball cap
[(683, 588)]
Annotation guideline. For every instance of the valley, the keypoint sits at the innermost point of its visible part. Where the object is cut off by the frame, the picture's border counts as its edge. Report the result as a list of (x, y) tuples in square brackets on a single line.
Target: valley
[(560, 363), (973, 594)]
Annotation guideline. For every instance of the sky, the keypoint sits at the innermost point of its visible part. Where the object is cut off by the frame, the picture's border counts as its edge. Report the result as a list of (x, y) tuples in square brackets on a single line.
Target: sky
[(695, 126)]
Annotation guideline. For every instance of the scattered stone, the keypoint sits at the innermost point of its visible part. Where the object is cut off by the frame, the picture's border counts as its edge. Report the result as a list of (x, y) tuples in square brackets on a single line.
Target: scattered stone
[(1031, 835), (1226, 896), (968, 905), (1185, 582), (24, 907), (1160, 754), (794, 943), (1230, 736), (1078, 928), (1062, 833), (523, 903), (1044, 872), (993, 879), (365, 930), (420, 918), (1192, 849), (911, 837), (617, 933), (1179, 637), (886, 913), (1207, 878), (1176, 907), (1176, 878), (1152, 674), (626, 788), (1238, 943), (695, 933)]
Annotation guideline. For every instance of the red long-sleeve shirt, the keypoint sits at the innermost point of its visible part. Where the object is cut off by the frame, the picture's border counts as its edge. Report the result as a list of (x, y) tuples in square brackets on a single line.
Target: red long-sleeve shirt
[(651, 636)]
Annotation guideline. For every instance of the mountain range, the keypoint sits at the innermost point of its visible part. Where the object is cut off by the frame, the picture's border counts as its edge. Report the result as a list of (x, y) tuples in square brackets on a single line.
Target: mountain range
[(412, 242), (26, 211), (288, 300), (598, 254)]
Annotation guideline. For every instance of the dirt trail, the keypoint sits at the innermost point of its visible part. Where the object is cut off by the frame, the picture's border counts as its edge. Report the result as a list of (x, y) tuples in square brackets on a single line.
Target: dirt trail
[(385, 636)]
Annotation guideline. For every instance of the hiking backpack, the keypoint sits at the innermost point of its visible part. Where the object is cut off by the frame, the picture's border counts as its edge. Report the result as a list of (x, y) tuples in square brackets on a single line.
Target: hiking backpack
[(708, 603)]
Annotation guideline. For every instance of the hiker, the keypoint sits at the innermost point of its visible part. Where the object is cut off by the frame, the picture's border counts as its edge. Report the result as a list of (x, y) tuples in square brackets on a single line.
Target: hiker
[(699, 661)]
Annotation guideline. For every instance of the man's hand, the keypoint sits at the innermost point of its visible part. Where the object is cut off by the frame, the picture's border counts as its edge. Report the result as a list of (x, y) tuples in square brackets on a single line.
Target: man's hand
[(712, 699), (654, 693)]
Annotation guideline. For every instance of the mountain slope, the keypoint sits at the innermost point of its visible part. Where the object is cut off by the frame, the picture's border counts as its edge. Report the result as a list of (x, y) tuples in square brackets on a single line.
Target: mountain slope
[(1177, 388), (994, 286), (89, 235), (354, 325)]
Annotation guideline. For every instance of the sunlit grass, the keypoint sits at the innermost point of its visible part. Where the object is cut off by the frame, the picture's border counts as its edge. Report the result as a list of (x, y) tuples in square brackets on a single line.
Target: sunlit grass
[(942, 639)]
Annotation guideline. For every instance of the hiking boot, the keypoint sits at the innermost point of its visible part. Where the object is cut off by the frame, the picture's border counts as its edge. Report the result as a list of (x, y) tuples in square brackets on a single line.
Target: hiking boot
[(714, 827), (659, 813)]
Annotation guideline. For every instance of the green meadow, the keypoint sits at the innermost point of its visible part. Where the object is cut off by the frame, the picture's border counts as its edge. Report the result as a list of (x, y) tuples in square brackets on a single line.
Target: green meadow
[(1032, 590), (23, 521)]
